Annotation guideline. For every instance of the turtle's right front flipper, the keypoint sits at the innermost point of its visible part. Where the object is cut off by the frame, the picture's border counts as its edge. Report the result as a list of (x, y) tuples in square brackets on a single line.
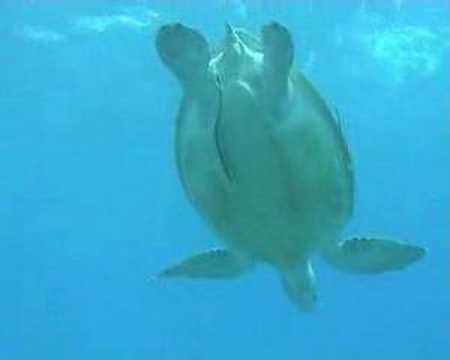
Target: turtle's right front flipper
[(372, 255), (278, 49)]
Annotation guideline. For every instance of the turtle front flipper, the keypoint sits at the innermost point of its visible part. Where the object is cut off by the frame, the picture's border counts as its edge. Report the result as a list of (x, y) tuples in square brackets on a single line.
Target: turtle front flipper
[(185, 52), (372, 255), (213, 264), (278, 50)]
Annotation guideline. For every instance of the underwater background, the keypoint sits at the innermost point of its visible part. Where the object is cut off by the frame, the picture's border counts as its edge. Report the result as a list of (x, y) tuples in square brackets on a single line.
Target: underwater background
[(91, 207)]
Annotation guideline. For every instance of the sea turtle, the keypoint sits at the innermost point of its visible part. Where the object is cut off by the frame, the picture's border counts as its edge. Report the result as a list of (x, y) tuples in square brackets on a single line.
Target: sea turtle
[(264, 162)]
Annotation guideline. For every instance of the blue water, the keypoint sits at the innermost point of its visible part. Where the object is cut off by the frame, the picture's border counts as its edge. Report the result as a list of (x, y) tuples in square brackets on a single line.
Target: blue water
[(91, 206)]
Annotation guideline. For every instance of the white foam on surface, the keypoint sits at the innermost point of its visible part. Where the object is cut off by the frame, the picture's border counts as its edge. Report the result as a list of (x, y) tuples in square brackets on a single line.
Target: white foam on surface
[(129, 18), (41, 34), (408, 49)]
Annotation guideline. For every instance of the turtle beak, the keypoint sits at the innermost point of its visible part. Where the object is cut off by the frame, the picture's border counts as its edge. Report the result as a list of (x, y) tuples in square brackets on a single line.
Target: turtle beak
[(231, 36), (233, 44), (228, 29)]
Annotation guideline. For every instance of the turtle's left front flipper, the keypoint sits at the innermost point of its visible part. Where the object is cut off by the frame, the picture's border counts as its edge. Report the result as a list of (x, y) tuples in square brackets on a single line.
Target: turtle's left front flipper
[(213, 264), (372, 255)]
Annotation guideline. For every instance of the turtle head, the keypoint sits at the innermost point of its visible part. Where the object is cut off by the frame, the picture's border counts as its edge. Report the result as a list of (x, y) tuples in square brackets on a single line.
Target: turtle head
[(235, 53), (233, 44)]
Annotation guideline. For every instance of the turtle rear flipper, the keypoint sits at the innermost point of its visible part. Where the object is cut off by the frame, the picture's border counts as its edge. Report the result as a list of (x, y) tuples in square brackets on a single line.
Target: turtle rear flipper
[(213, 264), (372, 255)]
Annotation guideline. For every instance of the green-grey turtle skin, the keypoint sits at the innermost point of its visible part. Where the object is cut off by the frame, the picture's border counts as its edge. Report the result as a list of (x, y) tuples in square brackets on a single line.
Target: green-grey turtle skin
[(264, 162)]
